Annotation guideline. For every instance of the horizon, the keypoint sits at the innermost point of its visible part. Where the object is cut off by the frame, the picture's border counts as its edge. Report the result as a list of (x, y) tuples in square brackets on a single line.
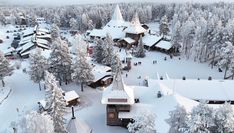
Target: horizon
[(82, 2)]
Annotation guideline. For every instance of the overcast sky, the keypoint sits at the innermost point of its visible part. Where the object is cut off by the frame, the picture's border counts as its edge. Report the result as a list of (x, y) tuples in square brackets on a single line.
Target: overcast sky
[(70, 2)]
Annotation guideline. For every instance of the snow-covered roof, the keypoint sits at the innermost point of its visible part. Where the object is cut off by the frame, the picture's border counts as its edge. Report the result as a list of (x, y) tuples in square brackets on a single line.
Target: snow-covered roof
[(114, 32), (135, 26), (42, 46), (42, 41), (100, 71), (150, 40), (71, 95), (78, 126), (98, 32), (118, 92), (129, 40), (117, 18), (217, 90), (28, 31), (26, 46), (25, 40), (44, 36), (164, 45)]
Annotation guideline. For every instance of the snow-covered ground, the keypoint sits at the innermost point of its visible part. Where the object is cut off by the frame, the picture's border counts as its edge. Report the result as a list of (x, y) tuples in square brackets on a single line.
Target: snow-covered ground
[(25, 94)]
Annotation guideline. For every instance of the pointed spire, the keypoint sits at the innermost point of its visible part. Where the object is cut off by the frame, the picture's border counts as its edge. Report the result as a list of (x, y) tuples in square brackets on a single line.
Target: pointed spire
[(135, 20), (117, 14), (118, 81)]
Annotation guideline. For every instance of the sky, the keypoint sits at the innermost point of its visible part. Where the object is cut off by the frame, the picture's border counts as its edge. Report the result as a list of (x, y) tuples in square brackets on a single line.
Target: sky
[(70, 2)]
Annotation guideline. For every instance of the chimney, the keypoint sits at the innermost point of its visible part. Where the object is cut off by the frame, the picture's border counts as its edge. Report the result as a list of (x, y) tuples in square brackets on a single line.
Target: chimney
[(73, 115)]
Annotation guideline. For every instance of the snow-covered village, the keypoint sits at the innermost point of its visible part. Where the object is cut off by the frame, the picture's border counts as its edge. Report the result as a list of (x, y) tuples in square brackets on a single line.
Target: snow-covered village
[(116, 67)]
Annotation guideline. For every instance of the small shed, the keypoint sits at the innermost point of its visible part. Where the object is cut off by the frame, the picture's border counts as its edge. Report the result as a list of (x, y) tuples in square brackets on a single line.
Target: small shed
[(72, 98)]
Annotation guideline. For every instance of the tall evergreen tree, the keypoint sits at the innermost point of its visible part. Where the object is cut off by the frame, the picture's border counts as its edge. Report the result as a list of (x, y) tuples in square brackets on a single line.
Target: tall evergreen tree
[(60, 61), (38, 65), (140, 49), (82, 70), (164, 26), (56, 103), (5, 68), (108, 52), (55, 31)]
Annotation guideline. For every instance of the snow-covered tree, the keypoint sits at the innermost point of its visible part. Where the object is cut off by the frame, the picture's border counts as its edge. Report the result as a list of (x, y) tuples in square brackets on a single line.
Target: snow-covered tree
[(34, 122), (227, 57), (164, 26), (201, 119), (56, 19), (5, 68), (230, 28), (60, 61), (187, 33), (177, 120), (224, 119), (98, 51), (114, 63), (73, 24), (176, 37), (140, 53), (55, 103), (104, 52), (82, 70), (108, 52), (143, 123), (55, 31), (79, 43), (38, 65)]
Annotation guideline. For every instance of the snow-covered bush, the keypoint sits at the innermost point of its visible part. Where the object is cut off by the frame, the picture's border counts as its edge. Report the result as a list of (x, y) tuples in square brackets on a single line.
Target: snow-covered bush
[(143, 122), (224, 119), (201, 119), (34, 122), (177, 120)]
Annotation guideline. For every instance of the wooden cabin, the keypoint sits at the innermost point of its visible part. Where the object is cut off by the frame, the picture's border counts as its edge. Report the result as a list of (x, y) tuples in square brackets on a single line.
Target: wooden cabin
[(72, 98)]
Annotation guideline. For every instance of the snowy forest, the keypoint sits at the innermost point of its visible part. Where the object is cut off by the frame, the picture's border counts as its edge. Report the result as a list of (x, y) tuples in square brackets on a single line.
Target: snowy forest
[(203, 32)]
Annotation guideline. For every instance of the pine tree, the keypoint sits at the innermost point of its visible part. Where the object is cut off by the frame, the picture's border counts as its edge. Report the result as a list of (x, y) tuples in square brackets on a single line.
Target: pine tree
[(176, 37), (224, 119), (5, 68), (58, 110), (55, 103), (55, 31), (227, 57), (140, 49), (201, 119), (177, 120), (38, 65), (73, 24), (108, 52), (164, 27), (82, 70), (114, 63), (49, 79), (60, 61), (99, 51), (34, 122), (143, 123)]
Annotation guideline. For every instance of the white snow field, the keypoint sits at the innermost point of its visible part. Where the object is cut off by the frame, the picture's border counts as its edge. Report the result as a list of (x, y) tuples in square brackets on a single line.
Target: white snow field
[(25, 94)]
